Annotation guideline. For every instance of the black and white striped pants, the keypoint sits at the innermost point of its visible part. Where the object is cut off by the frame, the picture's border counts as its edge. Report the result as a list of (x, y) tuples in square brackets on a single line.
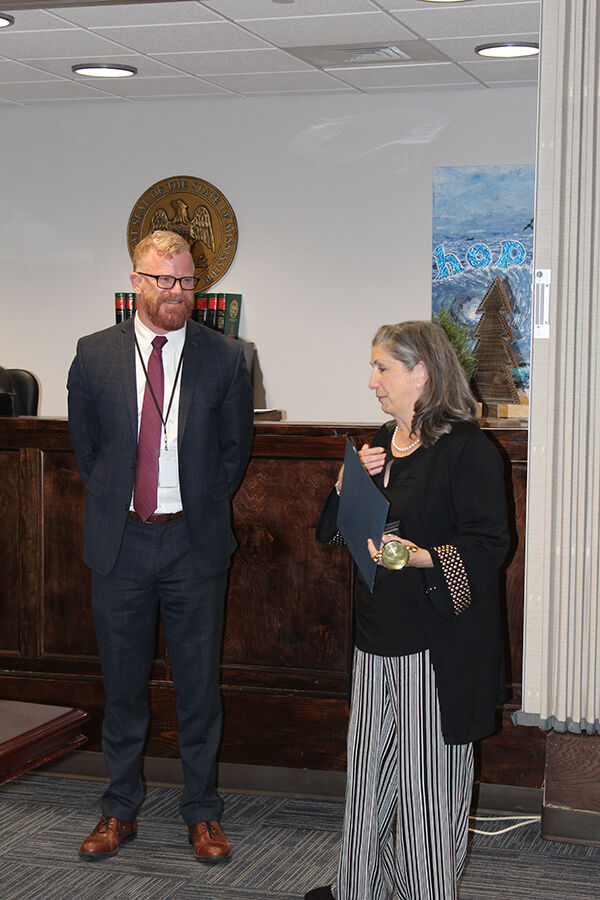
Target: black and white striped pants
[(408, 793)]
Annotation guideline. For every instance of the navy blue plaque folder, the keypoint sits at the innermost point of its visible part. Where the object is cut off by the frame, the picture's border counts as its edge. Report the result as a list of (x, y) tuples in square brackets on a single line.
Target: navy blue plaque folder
[(362, 512)]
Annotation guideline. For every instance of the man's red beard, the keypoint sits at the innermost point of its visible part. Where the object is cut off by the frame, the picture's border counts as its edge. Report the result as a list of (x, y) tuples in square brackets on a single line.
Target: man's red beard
[(165, 316)]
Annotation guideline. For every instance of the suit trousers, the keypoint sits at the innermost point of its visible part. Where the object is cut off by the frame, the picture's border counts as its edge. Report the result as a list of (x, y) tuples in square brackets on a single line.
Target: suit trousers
[(408, 792), (154, 572)]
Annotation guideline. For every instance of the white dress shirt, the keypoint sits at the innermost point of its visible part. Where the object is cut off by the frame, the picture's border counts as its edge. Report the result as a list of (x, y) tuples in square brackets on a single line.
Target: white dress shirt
[(168, 498)]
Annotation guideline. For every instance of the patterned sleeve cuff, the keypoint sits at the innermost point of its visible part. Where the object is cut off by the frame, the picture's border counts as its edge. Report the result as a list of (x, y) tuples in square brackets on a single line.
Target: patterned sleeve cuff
[(455, 576)]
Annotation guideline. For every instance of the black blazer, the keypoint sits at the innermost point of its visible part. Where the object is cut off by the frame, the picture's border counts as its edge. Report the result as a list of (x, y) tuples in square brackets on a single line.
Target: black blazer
[(459, 514), (214, 439)]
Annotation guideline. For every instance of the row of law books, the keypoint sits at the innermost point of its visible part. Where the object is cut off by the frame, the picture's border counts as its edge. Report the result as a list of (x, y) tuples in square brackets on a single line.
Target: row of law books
[(125, 306), (218, 311)]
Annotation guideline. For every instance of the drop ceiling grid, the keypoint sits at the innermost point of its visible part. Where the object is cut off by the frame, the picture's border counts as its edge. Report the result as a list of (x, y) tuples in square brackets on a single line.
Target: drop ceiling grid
[(240, 47)]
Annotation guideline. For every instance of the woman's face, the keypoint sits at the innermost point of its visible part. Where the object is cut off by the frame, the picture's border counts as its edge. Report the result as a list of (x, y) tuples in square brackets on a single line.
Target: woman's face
[(396, 387)]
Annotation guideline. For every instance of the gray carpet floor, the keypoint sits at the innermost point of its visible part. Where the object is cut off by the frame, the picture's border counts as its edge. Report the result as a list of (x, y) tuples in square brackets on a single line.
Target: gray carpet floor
[(282, 848)]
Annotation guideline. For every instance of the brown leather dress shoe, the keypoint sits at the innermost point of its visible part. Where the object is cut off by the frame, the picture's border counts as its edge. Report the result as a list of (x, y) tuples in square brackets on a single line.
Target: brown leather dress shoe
[(107, 837), (210, 844)]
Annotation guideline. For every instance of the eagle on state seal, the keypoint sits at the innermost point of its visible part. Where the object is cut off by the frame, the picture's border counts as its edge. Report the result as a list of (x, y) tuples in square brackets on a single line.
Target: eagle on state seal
[(194, 229)]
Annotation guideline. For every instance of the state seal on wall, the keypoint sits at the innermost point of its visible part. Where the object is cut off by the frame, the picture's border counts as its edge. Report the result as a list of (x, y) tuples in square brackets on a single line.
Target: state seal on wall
[(196, 210)]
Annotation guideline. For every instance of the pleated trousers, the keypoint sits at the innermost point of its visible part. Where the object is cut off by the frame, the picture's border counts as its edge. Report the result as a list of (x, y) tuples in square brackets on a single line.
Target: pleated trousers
[(408, 793)]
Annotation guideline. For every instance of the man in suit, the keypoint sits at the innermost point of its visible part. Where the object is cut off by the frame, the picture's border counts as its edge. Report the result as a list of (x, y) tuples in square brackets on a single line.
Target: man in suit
[(160, 415)]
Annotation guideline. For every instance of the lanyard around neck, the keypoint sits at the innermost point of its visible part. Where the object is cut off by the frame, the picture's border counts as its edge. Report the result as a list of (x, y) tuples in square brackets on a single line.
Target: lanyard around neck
[(149, 383)]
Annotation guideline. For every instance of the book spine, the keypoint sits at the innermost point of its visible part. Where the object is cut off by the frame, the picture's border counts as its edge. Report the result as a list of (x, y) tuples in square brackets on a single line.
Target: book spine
[(233, 308), (221, 302), (120, 308), (211, 311), (201, 306)]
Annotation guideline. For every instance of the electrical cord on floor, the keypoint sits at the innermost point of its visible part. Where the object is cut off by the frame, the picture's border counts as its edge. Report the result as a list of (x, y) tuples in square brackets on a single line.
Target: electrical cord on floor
[(521, 822)]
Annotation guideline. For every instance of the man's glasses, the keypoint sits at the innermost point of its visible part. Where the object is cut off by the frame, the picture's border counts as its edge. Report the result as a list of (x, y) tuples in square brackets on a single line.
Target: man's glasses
[(166, 282)]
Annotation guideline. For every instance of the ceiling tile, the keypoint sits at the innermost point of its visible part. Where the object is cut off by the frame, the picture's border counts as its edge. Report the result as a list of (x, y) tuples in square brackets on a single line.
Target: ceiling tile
[(410, 88), (32, 20), (458, 20), (315, 30), (279, 83), (496, 70), (235, 62), (14, 71), (55, 44), (138, 14), (404, 76), (48, 90), (403, 5), (161, 87), (510, 84), (182, 38), (267, 9)]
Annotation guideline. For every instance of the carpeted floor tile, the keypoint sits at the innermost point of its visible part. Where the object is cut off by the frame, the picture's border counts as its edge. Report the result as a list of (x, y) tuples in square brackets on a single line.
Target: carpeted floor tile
[(283, 847)]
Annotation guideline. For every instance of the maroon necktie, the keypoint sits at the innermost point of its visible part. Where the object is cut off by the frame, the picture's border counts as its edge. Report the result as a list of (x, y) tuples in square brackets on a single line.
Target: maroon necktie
[(146, 469)]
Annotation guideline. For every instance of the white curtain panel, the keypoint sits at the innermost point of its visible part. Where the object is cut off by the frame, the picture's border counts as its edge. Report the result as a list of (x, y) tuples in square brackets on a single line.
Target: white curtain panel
[(561, 668)]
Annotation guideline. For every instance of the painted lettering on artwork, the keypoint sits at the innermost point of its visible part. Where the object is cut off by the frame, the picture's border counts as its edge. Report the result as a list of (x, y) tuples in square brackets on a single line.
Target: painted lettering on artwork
[(478, 256)]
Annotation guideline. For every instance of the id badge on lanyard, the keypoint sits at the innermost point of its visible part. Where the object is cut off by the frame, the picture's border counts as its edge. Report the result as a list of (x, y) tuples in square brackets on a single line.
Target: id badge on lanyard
[(167, 468)]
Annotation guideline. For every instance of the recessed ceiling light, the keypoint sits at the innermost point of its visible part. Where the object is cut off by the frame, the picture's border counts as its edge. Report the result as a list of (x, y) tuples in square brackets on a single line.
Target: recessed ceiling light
[(6, 20), (97, 70), (508, 49)]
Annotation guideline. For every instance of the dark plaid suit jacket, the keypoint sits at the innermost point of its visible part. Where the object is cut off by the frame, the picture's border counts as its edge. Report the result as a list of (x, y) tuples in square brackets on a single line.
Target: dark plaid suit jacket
[(214, 439)]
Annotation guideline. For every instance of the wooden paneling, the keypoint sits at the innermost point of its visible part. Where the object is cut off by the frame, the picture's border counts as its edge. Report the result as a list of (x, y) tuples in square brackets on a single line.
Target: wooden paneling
[(513, 755), (30, 551), (66, 612), (512, 597), (292, 730), (571, 808), (10, 614), (287, 606), (287, 640), (573, 771), (512, 446)]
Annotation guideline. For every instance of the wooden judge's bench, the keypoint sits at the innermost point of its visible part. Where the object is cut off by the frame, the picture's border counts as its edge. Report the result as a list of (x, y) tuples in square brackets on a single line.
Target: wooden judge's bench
[(287, 643)]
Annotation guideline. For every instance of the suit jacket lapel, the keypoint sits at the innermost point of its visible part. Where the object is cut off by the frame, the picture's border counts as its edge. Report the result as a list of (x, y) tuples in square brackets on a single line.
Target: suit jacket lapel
[(190, 377), (127, 365)]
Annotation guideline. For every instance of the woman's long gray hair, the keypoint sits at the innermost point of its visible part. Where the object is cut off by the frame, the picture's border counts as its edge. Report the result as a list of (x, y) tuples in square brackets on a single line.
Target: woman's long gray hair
[(446, 395)]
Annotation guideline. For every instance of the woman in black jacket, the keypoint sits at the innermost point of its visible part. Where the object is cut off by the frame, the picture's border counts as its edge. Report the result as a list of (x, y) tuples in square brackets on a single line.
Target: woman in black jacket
[(428, 665)]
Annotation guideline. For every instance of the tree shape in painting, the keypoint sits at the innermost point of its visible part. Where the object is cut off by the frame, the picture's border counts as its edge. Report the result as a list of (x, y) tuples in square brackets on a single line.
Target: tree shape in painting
[(494, 358)]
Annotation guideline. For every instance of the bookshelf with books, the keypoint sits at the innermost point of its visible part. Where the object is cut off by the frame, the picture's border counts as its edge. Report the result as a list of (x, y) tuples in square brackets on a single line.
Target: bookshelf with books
[(220, 311)]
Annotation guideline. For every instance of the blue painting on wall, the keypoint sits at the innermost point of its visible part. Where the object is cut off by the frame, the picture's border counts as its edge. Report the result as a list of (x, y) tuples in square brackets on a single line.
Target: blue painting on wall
[(483, 229)]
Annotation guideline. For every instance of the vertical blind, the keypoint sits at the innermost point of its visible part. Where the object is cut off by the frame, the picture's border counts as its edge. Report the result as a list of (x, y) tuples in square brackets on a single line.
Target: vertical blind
[(561, 668)]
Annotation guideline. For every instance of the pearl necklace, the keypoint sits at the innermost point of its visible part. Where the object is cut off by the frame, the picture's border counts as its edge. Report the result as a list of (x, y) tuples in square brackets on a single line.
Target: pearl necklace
[(403, 449)]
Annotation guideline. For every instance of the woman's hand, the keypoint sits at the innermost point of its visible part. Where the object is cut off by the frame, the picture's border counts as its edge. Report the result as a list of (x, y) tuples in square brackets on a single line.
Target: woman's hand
[(372, 458), (418, 557)]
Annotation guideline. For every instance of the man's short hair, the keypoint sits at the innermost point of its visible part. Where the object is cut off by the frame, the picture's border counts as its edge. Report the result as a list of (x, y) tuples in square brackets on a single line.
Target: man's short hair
[(166, 243)]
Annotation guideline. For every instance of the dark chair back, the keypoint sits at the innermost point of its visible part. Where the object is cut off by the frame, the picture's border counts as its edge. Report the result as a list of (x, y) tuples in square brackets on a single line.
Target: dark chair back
[(24, 387), (7, 397), (8, 404)]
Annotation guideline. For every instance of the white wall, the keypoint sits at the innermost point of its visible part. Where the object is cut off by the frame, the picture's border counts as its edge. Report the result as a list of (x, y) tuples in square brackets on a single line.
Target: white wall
[(333, 200)]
